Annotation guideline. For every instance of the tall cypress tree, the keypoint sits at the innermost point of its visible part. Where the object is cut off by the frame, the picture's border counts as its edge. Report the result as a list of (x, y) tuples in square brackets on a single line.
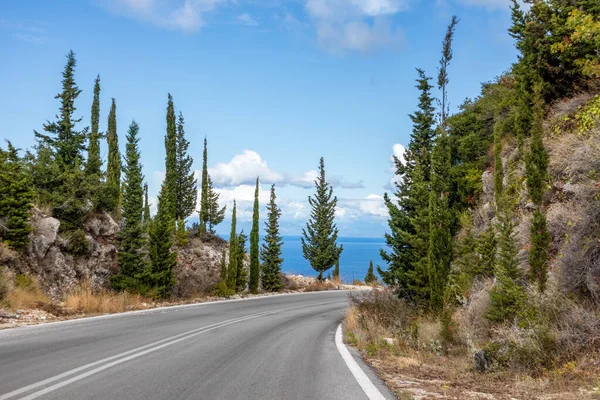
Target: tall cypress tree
[(319, 239), (440, 214), (223, 266), (536, 163), (242, 275), (171, 159), (232, 268), (15, 199), (370, 277), (187, 192), (160, 277), (113, 168), (271, 248), (68, 143), (204, 195), (336, 270), (94, 162), (254, 249), (132, 262), (409, 211), (216, 214), (146, 216)]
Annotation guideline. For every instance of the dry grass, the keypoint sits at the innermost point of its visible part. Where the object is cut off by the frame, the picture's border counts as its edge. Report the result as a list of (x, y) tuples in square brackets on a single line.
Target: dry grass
[(26, 297), (319, 286), (85, 300)]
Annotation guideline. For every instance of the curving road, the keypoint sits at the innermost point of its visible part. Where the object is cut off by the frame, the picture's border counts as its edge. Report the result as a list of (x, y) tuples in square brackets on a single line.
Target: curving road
[(278, 347)]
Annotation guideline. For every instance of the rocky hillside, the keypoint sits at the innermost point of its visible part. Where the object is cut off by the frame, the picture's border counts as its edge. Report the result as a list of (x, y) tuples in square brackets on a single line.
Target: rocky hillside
[(52, 259)]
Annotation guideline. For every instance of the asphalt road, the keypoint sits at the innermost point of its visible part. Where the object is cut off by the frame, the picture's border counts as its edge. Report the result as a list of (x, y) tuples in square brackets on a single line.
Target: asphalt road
[(279, 347)]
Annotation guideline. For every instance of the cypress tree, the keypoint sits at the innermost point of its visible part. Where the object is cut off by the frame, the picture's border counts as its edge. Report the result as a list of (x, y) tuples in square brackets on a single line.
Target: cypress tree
[(336, 270), (204, 195), (171, 159), (223, 266), (15, 199), (68, 143), (132, 261), (409, 222), (216, 214), (113, 169), (242, 275), (319, 239), (232, 269), (94, 162), (370, 277), (146, 216), (443, 80), (271, 248), (536, 165), (181, 235), (254, 249), (187, 193), (160, 277)]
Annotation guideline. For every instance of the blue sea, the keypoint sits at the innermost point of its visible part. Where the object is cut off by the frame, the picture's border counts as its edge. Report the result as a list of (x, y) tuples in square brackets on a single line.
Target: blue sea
[(353, 263)]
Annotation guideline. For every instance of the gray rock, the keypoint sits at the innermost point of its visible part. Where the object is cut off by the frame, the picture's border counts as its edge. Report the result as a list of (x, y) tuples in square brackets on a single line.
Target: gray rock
[(482, 361), (45, 231), (100, 225)]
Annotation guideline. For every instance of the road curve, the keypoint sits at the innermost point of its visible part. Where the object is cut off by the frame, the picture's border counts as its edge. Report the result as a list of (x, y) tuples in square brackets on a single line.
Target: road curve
[(278, 347)]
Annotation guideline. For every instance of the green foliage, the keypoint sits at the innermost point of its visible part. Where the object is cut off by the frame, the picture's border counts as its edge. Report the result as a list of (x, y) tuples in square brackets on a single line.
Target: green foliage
[(171, 160), (94, 162), (77, 244), (23, 281), (538, 255), (146, 218), (181, 235), (222, 290), (271, 249), (15, 199), (241, 279), (216, 214), (132, 261), (159, 276), (336, 270), (186, 191), (204, 195), (319, 239), (232, 268), (254, 249), (223, 266), (113, 169), (370, 278)]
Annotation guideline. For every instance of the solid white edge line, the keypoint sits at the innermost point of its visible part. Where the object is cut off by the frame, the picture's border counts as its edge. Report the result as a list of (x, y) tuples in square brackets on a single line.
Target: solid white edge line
[(9, 330), (363, 380)]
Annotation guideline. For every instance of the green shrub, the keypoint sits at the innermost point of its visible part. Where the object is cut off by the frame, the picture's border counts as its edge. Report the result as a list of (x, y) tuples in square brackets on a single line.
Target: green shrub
[(3, 284), (23, 281), (77, 243), (221, 290)]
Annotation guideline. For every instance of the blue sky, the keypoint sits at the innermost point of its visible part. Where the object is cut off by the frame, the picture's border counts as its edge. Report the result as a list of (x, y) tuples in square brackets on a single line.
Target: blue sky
[(273, 84)]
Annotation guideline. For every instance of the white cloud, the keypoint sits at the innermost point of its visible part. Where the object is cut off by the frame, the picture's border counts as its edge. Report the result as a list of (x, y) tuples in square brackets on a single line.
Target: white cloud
[(243, 169), (398, 151), (355, 25), (184, 15), (247, 19), (490, 4)]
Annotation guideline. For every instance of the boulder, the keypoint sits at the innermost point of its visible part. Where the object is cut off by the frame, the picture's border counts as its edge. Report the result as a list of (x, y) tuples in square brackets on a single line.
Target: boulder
[(44, 234), (482, 361), (100, 225)]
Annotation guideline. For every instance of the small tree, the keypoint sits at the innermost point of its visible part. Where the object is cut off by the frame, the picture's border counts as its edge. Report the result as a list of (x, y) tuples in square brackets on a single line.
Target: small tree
[(242, 275), (254, 238), (233, 267), (216, 214), (336, 270), (171, 158), (187, 192), (204, 197), (94, 162), (113, 168), (370, 278), (319, 239), (223, 266), (181, 235), (271, 248)]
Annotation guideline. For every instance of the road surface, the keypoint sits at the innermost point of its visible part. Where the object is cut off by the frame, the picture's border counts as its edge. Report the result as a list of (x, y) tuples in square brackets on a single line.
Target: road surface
[(279, 347)]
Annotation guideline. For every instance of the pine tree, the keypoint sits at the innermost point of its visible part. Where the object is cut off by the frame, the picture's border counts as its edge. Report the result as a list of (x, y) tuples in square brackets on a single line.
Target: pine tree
[(68, 143), (223, 266), (94, 162), (242, 274), (146, 218), (204, 195), (187, 193), (160, 277), (409, 221), (536, 163), (181, 235), (271, 248), (232, 269), (113, 169), (443, 80), (319, 239), (216, 214), (15, 199), (132, 261), (370, 277), (171, 159), (254, 249)]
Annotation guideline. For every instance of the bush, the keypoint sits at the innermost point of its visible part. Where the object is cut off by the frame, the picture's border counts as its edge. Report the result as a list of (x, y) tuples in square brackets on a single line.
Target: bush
[(77, 243), (23, 281), (221, 290), (3, 284)]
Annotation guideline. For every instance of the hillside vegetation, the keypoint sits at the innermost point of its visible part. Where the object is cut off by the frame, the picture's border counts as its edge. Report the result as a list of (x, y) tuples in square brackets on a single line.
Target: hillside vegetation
[(494, 226)]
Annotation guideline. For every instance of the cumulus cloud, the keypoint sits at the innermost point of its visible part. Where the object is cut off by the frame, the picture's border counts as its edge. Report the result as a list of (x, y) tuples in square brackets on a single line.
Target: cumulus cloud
[(244, 168), (370, 206), (355, 25), (398, 152), (184, 15)]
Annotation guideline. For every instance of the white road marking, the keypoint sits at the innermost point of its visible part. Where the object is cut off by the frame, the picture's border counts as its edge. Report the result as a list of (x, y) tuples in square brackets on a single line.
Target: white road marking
[(122, 357), (363, 380)]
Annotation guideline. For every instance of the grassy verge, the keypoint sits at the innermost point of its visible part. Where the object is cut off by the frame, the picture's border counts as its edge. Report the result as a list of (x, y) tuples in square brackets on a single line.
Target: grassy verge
[(417, 360)]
